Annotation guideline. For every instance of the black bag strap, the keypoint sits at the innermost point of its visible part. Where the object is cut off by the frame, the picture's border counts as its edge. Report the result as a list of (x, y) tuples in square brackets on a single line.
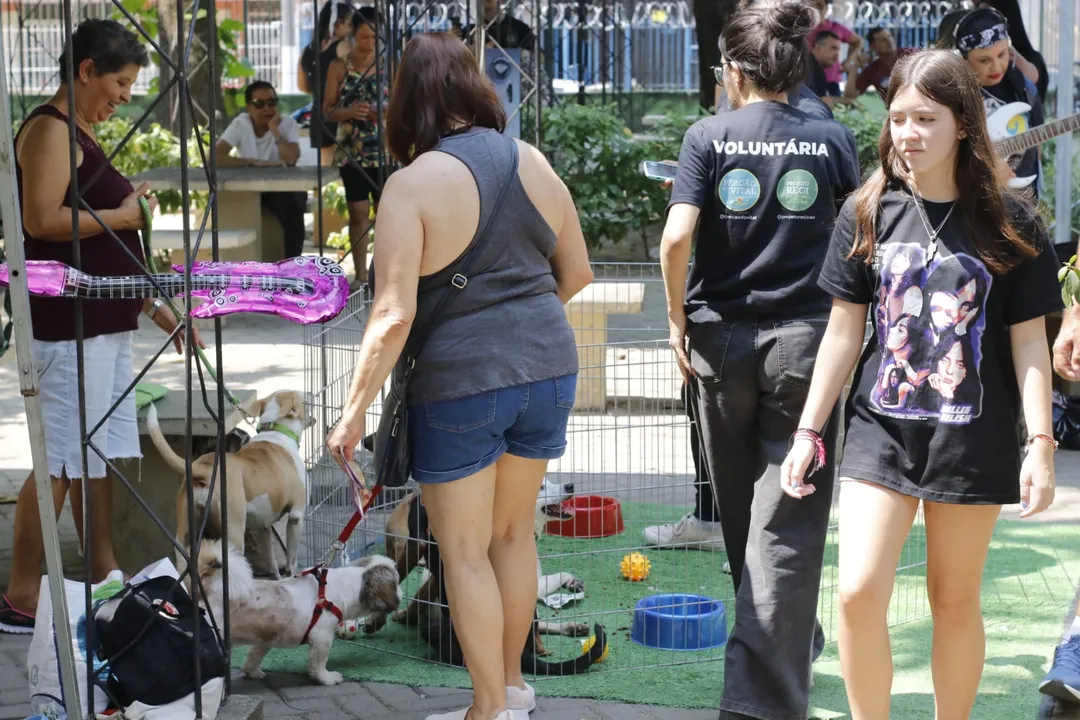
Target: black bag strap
[(462, 269)]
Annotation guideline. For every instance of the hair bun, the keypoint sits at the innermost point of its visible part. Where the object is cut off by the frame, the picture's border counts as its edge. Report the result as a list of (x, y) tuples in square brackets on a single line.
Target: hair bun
[(790, 20)]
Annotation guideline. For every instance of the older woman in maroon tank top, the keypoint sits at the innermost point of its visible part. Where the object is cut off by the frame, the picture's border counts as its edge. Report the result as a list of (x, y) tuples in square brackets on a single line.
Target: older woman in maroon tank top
[(107, 59)]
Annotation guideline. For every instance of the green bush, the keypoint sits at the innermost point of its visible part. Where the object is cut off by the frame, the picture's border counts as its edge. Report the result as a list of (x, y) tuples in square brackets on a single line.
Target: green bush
[(1048, 199), (866, 127), (599, 159), (154, 148)]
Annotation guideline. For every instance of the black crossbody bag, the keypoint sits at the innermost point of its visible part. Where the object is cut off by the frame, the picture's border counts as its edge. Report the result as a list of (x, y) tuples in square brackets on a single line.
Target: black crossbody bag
[(390, 441)]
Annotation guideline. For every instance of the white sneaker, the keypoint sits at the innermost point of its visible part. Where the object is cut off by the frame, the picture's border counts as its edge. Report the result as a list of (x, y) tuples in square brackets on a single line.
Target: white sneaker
[(460, 715), (687, 532), (521, 702)]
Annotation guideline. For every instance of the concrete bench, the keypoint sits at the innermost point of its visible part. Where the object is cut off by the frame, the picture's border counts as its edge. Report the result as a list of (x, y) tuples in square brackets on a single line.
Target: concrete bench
[(588, 315), (234, 245), (138, 541)]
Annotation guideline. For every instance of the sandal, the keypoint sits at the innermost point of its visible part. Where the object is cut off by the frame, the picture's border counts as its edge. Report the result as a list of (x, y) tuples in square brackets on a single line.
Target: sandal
[(14, 621)]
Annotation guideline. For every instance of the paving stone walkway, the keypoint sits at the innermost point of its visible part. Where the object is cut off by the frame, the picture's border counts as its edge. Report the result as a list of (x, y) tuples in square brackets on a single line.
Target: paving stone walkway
[(293, 696)]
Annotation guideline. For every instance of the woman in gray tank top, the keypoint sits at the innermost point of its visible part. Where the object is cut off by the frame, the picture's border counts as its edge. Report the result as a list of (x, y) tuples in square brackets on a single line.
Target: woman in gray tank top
[(495, 382)]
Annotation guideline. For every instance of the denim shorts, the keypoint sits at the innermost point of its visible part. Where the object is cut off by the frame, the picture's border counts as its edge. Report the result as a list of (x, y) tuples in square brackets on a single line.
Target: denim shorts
[(452, 439)]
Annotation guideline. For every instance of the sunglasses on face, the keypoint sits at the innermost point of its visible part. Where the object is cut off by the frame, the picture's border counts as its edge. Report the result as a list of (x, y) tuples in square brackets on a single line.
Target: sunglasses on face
[(718, 72), (260, 104)]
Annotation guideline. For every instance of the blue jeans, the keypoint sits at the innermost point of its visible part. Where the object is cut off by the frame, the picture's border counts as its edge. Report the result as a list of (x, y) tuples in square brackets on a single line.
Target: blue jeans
[(452, 439)]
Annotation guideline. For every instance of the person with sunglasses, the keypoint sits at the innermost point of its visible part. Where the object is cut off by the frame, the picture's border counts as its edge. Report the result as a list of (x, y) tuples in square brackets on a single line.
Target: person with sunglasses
[(746, 317), (263, 137)]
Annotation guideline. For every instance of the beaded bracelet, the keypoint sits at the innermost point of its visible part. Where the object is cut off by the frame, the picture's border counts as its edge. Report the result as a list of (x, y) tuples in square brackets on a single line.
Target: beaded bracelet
[(1042, 436), (819, 444)]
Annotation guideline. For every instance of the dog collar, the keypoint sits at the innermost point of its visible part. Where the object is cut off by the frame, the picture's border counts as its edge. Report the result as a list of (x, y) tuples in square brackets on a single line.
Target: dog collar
[(278, 427)]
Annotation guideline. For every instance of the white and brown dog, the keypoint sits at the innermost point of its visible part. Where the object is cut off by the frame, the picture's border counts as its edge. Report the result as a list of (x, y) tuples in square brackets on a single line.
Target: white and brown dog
[(278, 613), (267, 479)]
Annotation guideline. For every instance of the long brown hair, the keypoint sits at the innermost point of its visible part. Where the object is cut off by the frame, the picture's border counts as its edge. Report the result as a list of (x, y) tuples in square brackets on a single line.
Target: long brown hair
[(438, 86), (981, 202)]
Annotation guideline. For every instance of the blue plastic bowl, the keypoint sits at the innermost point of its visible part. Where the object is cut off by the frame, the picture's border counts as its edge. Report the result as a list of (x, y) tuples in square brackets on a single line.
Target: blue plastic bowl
[(679, 622)]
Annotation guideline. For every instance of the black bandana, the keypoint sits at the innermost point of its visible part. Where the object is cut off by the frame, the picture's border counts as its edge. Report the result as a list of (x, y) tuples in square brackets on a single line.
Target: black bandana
[(980, 29)]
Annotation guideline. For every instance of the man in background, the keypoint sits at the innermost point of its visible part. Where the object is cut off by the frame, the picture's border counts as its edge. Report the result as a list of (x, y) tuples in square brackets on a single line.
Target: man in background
[(877, 73), (263, 137), (824, 53)]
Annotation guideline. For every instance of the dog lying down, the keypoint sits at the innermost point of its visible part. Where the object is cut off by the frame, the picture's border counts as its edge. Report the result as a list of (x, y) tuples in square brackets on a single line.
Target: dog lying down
[(276, 613)]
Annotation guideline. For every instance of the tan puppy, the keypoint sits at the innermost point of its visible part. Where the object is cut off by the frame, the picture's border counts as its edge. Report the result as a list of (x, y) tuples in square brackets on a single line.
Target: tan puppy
[(267, 479), (271, 614)]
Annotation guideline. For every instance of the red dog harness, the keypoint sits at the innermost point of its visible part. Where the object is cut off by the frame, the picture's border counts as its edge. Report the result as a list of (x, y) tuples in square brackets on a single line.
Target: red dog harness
[(319, 573)]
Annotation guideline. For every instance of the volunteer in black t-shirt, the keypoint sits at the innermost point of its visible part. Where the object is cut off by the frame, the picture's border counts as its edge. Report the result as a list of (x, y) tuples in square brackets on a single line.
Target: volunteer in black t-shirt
[(982, 38), (957, 277), (700, 528), (765, 180)]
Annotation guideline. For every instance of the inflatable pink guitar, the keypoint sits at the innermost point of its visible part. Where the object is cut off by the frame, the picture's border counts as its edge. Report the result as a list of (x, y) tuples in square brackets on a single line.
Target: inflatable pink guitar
[(306, 289)]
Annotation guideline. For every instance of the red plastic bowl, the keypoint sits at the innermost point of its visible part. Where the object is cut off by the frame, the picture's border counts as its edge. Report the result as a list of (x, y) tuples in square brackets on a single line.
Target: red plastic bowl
[(591, 516)]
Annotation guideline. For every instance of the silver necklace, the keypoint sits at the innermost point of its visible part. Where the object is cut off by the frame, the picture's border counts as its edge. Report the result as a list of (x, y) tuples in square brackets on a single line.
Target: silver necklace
[(931, 249)]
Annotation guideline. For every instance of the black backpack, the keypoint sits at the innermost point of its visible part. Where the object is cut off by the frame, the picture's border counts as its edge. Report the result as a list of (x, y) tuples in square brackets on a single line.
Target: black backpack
[(146, 632)]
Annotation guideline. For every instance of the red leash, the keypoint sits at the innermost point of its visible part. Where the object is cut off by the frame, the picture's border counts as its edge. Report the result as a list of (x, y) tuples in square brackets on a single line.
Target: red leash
[(363, 500)]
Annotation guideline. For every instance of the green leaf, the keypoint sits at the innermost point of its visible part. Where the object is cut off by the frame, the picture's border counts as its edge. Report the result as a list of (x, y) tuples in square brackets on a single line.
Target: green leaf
[(238, 69), (1072, 287), (229, 25)]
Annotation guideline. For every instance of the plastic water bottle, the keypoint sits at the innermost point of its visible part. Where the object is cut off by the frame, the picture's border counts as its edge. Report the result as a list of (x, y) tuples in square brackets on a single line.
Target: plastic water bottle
[(367, 466), (46, 709)]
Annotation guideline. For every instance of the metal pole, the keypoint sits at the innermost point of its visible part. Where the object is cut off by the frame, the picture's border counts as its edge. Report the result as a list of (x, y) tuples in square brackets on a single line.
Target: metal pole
[(582, 29), (290, 52), (247, 41), (215, 249), (28, 387), (80, 358), (184, 42), (315, 126), (537, 59), (1063, 159), (479, 39)]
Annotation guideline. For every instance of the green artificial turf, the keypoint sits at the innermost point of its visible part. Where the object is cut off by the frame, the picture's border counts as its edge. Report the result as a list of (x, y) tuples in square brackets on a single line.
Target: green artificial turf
[(1029, 582)]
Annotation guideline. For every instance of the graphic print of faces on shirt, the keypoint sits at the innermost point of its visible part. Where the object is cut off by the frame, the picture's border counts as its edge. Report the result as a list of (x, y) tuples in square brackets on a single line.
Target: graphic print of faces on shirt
[(929, 322)]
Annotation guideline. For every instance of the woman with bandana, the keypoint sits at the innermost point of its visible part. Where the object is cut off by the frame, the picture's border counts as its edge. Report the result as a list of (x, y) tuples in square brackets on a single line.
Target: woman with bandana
[(982, 38), (1027, 58)]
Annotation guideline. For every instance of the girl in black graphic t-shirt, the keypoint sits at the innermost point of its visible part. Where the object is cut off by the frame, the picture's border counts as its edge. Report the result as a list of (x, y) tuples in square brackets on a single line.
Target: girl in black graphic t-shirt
[(765, 180), (957, 277)]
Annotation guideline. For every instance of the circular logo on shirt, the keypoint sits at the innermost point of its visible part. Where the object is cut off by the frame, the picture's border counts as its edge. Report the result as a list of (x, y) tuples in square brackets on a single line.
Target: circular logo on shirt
[(739, 190), (797, 190)]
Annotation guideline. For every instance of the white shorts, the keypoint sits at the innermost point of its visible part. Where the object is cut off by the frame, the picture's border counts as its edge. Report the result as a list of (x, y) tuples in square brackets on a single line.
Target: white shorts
[(108, 372)]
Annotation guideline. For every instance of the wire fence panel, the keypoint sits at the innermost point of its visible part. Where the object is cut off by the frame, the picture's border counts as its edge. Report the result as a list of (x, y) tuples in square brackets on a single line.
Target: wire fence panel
[(628, 446), (154, 522)]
